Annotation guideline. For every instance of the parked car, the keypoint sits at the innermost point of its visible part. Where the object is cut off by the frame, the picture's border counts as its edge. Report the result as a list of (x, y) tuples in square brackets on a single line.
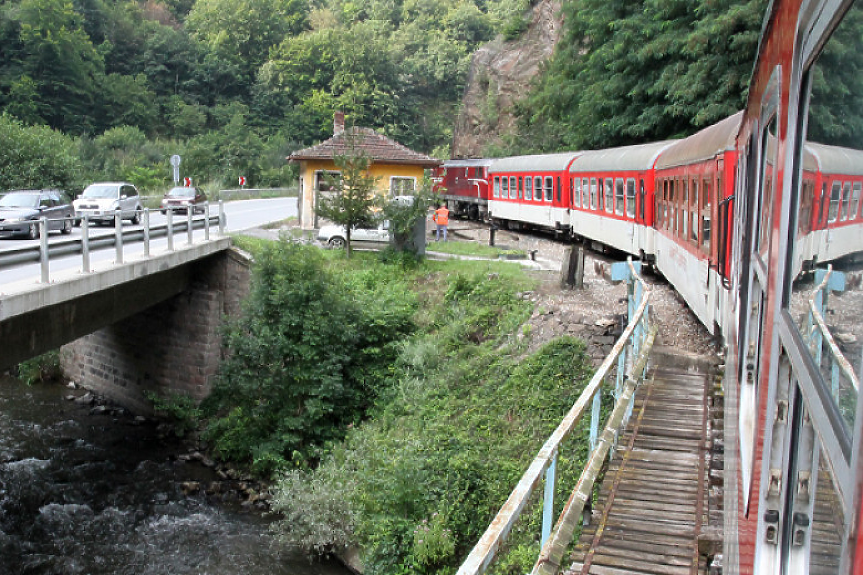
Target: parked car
[(101, 201), (21, 210), (180, 198), (336, 236)]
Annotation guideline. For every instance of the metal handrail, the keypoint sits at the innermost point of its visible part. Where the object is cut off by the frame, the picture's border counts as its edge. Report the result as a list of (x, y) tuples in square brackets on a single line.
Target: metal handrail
[(85, 245), (485, 550), (821, 326)]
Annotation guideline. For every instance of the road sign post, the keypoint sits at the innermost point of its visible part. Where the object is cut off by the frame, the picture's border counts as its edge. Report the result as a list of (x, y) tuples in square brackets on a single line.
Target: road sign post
[(175, 162)]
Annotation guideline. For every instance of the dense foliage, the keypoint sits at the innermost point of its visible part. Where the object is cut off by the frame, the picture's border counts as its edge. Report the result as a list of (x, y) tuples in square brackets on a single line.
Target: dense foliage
[(235, 85), (633, 71), (310, 353), (415, 486)]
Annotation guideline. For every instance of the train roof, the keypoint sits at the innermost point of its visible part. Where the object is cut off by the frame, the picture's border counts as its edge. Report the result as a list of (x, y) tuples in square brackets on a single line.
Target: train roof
[(836, 160), (535, 163), (703, 145), (625, 158), (468, 163)]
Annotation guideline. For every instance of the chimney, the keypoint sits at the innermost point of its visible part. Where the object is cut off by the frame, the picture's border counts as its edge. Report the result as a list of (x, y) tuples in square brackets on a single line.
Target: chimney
[(338, 123)]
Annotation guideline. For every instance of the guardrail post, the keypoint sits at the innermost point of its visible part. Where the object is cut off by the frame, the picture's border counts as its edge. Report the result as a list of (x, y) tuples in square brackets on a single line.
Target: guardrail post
[(222, 221), (43, 248), (170, 214), (548, 500), (85, 244), (146, 232), (118, 236), (189, 211), (207, 221)]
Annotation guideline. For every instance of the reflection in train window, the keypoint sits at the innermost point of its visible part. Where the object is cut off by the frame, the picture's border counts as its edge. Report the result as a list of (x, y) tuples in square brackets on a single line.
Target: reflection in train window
[(824, 296)]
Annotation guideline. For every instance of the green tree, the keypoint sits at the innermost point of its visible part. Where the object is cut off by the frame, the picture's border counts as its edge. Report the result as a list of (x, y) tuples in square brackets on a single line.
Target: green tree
[(308, 356), (36, 157), (244, 30), (627, 72), (352, 200), (55, 51)]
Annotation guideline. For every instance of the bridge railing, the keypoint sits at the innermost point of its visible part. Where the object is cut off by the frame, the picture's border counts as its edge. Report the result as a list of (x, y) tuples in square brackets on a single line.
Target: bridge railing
[(835, 367), (87, 243), (630, 354)]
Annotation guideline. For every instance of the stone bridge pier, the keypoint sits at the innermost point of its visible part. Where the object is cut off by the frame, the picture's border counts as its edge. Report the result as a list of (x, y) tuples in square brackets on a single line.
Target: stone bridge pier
[(171, 347)]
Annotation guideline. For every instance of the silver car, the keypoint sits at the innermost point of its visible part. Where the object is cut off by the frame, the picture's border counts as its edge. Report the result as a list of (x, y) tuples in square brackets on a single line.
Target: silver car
[(20, 212), (336, 236), (101, 201)]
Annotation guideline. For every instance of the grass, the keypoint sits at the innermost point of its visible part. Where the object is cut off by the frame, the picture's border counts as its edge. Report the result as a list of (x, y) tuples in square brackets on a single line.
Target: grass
[(472, 249)]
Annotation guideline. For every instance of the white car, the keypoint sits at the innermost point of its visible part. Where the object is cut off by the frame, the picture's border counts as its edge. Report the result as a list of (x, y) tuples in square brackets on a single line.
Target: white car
[(102, 200), (336, 236)]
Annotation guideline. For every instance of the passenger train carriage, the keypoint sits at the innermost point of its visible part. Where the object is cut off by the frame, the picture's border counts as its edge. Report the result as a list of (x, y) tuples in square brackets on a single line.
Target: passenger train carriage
[(531, 191), (612, 197), (694, 191)]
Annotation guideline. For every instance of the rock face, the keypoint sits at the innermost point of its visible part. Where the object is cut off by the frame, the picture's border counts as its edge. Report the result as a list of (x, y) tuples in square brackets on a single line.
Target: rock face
[(501, 73)]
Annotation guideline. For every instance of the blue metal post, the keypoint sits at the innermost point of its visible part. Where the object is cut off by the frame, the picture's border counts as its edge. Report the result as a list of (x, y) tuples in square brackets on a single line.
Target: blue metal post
[(548, 501)]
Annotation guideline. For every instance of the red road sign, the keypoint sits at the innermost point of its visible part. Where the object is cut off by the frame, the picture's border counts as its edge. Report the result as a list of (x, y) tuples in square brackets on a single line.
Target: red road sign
[(187, 182), (242, 180)]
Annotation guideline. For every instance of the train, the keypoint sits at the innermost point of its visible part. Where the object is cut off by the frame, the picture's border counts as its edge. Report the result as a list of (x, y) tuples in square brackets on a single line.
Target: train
[(756, 221), (667, 203)]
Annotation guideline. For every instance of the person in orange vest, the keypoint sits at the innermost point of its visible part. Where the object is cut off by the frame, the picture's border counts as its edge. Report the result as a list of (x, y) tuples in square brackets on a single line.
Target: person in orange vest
[(441, 218)]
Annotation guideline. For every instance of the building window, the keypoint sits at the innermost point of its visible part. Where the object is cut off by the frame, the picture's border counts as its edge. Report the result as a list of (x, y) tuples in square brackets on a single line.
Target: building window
[(326, 179), (402, 186)]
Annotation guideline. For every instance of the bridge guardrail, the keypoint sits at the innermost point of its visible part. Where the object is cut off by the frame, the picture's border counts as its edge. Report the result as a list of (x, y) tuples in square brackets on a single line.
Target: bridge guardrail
[(84, 245), (635, 342)]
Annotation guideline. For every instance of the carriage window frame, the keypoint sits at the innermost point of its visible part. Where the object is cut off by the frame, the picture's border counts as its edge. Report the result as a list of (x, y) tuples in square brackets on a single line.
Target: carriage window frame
[(846, 200), (576, 192), (608, 201), (528, 188), (513, 187), (619, 197), (694, 206), (585, 193), (549, 188), (835, 201), (594, 190), (496, 187), (504, 188), (630, 197)]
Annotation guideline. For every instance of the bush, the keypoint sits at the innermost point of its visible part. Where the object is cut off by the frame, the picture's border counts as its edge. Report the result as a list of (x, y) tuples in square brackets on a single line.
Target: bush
[(41, 369), (449, 440), (310, 353)]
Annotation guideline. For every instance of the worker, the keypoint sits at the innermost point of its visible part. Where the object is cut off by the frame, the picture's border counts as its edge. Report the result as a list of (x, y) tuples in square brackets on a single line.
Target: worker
[(441, 218)]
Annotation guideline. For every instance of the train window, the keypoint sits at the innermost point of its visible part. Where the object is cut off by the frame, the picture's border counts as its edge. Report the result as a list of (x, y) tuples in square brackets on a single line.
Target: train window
[(559, 190), (819, 271), (609, 195), (768, 152), (694, 212), (585, 193), (576, 192), (513, 188), (549, 188), (528, 188), (520, 182), (630, 197), (846, 199), (641, 199), (705, 215), (618, 196), (504, 189), (835, 199), (497, 186), (537, 188)]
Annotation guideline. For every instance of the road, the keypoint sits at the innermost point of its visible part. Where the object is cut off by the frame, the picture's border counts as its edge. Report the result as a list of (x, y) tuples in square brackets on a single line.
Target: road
[(240, 215)]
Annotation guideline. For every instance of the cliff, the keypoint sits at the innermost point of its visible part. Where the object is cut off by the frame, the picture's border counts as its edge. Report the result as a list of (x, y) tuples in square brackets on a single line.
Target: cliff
[(500, 74)]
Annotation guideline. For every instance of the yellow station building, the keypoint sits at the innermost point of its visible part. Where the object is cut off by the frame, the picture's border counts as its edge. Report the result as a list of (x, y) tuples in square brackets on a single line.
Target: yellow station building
[(397, 168)]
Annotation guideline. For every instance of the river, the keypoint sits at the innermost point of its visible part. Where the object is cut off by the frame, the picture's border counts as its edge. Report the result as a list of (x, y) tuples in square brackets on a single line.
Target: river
[(84, 492)]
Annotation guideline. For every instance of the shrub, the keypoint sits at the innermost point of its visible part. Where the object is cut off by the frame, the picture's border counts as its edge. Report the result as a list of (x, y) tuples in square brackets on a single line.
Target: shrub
[(41, 369), (310, 353)]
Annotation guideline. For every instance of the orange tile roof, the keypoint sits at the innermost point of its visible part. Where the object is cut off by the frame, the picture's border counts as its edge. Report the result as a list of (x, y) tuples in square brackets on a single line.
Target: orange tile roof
[(377, 147)]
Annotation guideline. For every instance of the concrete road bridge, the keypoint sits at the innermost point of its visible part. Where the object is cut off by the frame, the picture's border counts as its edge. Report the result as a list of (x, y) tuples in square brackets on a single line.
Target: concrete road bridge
[(143, 313)]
